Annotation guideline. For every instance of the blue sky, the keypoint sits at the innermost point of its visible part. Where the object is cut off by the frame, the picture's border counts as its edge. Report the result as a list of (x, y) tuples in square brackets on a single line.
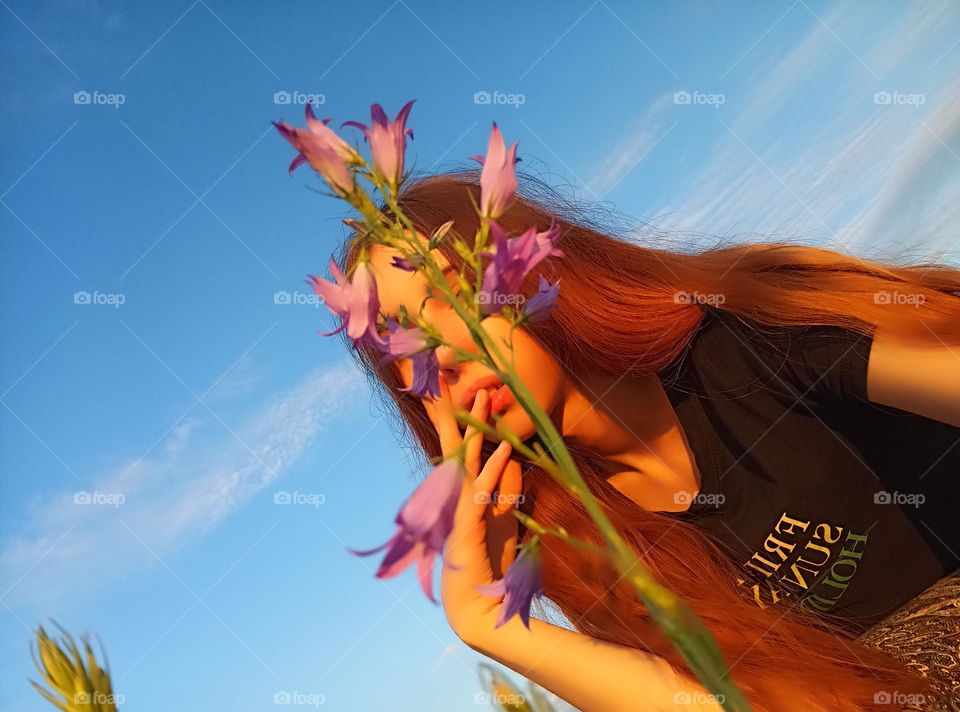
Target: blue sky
[(148, 427)]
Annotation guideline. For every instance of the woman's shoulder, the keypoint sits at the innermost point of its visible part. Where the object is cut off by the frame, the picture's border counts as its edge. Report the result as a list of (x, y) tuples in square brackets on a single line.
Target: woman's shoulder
[(736, 353)]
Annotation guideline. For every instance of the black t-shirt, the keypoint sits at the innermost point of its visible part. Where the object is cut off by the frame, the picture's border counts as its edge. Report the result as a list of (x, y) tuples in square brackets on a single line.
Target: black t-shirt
[(820, 497)]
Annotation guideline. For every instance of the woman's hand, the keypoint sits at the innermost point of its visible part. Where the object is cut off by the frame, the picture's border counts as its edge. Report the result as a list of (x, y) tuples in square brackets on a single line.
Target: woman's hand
[(482, 544)]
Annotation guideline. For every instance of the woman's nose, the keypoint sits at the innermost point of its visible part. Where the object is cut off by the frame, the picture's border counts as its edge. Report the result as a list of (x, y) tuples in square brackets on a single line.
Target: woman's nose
[(449, 368)]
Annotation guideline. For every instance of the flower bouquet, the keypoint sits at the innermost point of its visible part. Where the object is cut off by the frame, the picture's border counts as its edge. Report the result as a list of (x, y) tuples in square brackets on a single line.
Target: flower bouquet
[(488, 284)]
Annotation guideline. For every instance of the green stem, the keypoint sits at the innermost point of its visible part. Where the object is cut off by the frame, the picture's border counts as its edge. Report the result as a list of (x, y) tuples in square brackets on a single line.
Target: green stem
[(678, 620)]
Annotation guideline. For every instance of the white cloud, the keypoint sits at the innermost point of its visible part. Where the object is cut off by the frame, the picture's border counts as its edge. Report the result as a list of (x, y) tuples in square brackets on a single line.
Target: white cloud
[(200, 475), (809, 153)]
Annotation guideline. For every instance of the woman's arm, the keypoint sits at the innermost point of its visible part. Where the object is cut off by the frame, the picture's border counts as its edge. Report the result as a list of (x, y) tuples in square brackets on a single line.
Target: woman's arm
[(592, 675), (919, 378)]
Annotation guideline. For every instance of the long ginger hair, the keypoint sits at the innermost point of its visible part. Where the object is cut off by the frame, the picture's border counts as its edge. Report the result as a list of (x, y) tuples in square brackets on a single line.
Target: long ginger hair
[(782, 657)]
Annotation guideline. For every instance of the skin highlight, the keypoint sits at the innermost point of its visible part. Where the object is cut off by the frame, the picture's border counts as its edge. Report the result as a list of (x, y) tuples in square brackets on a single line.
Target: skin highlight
[(643, 450)]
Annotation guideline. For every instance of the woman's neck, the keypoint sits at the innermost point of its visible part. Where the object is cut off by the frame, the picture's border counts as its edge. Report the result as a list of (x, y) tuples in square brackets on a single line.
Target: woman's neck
[(629, 422)]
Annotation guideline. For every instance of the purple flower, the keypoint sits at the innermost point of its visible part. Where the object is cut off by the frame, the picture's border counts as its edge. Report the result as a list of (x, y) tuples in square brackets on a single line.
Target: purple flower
[(498, 179), (329, 154), (355, 302), (387, 140), (518, 587), (410, 264), (423, 525), (539, 305), (513, 258), (414, 344)]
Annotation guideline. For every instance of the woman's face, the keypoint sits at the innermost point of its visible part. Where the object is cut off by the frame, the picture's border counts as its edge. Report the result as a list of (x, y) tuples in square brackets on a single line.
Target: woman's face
[(537, 368)]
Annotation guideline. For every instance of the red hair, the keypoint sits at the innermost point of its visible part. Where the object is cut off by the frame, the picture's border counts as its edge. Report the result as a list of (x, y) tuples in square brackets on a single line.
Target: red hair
[(781, 657)]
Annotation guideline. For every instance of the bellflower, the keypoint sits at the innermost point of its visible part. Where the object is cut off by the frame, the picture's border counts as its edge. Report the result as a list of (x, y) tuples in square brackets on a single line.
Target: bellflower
[(387, 140), (498, 179), (539, 305), (518, 587), (413, 343), (513, 258), (408, 264), (323, 149), (354, 301), (423, 525)]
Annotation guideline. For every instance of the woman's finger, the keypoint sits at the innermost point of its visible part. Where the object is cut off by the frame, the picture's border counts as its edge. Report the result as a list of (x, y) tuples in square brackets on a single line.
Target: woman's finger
[(493, 468), (509, 488), (502, 527), (447, 426), (473, 437)]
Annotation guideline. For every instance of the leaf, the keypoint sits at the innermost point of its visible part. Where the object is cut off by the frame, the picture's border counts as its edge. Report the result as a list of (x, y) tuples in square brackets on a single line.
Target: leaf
[(439, 234)]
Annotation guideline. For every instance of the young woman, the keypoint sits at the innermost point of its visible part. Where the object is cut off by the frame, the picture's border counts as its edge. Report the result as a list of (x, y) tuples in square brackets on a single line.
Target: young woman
[(773, 427)]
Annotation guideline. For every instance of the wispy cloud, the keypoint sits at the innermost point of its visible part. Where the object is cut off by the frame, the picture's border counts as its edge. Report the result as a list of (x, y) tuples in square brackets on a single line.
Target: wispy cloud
[(808, 150), (646, 134), (198, 477)]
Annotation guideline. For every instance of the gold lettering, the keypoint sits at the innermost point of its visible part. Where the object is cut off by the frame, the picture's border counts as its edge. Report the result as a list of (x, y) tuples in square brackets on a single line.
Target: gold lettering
[(775, 546), (772, 567), (755, 590), (826, 533), (789, 525), (800, 580)]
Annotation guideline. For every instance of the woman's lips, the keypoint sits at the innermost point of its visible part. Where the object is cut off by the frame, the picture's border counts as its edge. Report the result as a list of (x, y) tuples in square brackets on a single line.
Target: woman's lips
[(501, 399), (500, 396)]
